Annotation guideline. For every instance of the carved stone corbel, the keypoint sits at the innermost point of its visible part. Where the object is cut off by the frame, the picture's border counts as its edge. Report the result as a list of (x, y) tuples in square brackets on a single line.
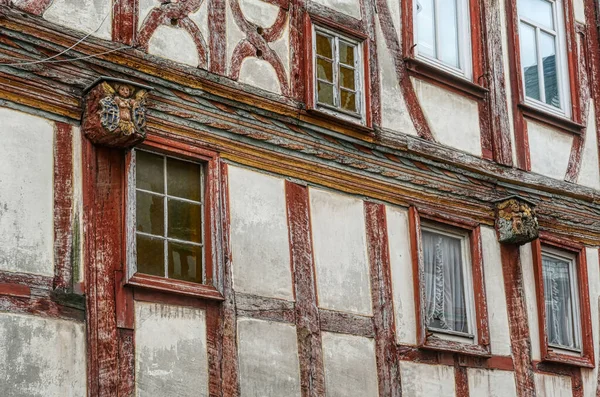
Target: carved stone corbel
[(516, 220), (115, 113)]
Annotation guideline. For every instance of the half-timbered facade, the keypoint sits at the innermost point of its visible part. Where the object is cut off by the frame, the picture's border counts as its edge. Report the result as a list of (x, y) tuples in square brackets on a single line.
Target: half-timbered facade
[(299, 198)]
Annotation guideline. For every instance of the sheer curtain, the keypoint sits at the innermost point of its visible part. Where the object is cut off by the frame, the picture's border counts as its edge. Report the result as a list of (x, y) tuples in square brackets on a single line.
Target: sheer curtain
[(560, 319), (444, 282)]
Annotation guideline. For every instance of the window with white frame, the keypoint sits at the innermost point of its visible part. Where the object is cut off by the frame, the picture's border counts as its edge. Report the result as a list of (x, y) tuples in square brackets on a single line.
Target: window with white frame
[(448, 286), (169, 208), (561, 300), (543, 55), (442, 34), (339, 74)]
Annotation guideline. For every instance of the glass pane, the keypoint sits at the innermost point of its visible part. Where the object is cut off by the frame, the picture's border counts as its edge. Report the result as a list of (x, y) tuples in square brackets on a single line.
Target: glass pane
[(538, 11), (325, 93), (425, 27), (347, 78), (149, 171), (529, 61), (150, 255), (183, 179), (185, 262), (448, 32), (150, 213), (347, 53), (324, 46), (548, 50), (325, 69), (348, 100), (185, 221), (560, 319), (444, 283)]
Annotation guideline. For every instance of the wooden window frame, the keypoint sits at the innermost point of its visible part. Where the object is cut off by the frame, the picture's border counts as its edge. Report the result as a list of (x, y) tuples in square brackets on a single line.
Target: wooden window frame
[(586, 359), (522, 108), (312, 22), (425, 338), (211, 220)]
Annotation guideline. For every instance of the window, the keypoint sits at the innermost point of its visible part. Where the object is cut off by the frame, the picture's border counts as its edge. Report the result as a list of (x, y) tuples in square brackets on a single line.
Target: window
[(543, 55), (442, 34)]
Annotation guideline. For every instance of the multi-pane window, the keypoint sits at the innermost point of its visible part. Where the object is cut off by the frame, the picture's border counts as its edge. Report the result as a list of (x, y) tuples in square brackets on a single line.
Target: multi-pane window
[(338, 74), (561, 300), (169, 216), (442, 34), (448, 289), (543, 63)]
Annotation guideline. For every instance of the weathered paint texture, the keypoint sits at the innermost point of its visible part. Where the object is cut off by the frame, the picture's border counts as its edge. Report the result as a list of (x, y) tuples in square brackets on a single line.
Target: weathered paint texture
[(550, 150), (491, 383), (338, 226), (268, 357), (552, 385), (41, 357), (174, 44), (261, 266), (26, 193), (424, 380), (171, 353), (590, 172), (87, 16), (530, 299), (590, 376)]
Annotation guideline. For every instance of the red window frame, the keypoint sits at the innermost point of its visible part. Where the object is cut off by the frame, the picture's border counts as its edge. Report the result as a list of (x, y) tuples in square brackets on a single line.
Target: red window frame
[(211, 219), (426, 339), (586, 359)]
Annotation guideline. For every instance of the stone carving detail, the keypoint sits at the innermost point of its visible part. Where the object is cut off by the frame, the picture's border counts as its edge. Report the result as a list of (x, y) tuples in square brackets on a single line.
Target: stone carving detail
[(115, 113), (516, 220)]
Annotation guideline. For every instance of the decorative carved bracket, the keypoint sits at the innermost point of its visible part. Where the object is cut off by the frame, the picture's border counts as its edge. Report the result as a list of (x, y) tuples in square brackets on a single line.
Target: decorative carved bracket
[(115, 113), (516, 220)]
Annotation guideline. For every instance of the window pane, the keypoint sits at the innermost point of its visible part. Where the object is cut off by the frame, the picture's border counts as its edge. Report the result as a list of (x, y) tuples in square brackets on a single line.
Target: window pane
[(448, 32), (444, 282), (560, 319), (529, 61), (149, 171), (183, 179), (324, 46), (325, 69), (185, 221), (425, 27), (548, 50), (185, 262), (325, 93), (347, 78), (150, 255), (538, 11), (348, 100), (150, 213), (347, 53)]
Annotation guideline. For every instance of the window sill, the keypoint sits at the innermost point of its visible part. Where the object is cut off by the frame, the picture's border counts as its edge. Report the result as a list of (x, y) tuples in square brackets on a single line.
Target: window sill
[(425, 71), (468, 349), (552, 120), (317, 113), (178, 287), (565, 359)]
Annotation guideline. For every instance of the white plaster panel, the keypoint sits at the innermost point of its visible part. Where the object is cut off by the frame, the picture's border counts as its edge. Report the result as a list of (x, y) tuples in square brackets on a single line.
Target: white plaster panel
[(506, 69), (268, 358), (281, 46), (530, 300), (234, 35), (174, 44), (259, 234), (491, 383), (424, 380), (200, 18), (394, 7), (350, 365), (26, 193), (340, 250), (402, 275), (258, 12), (549, 150), (144, 8), (348, 7), (589, 174), (171, 354), (552, 386), (88, 16), (259, 73), (579, 10), (394, 113), (495, 294), (590, 376), (454, 119), (41, 357)]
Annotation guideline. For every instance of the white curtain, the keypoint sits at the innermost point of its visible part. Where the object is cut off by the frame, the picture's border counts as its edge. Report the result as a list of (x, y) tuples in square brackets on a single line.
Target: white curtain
[(444, 283), (560, 319)]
